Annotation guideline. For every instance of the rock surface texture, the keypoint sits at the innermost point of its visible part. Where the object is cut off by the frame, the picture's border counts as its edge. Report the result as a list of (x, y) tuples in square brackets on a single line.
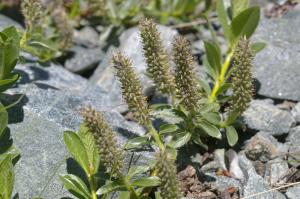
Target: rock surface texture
[(277, 66), (262, 115), (53, 97)]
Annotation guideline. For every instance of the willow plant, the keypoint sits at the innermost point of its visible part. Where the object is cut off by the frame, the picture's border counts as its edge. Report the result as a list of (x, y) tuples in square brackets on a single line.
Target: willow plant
[(199, 108)]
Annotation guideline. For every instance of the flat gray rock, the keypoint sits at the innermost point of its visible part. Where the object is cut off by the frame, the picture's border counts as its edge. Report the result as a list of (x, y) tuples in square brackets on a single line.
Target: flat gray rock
[(293, 192), (53, 97), (254, 183), (5, 22), (296, 112), (83, 59), (264, 116), (130, 45), (87, 37), (277, 66)]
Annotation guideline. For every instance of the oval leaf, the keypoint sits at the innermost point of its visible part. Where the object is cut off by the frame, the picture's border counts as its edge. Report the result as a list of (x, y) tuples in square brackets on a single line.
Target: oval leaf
[(7, 177), (137, 170), (167, 128), (213, 55), (151, 181), (232, 136), (257, 47), (210, 129), (3, 119), (111, 187), (76, 186), (245, 23), (180, 139), (136, 143), (76, 149)]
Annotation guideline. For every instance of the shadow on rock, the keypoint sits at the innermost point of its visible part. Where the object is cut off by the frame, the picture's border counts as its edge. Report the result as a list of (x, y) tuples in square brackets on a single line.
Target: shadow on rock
[(16, 112)]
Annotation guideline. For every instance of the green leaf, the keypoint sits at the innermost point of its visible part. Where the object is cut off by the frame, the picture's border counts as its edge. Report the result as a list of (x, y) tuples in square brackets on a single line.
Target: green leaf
[(223, 88), (204, 84), (8, 81), (157, 195), (180, 139), (257, 47), (76, 186), (76, 149), (213, 118), (7, 177), (111, 186), (210, 70), (239, 6), (137, 170), (151, 181), (137, 143), (232, 136), (9, 51), (40, 44), (89, 144), (213, 54), (197, 140), (124, 195), (245, 23), (210, 129), (3, 119), (223, 18), (167, 128)]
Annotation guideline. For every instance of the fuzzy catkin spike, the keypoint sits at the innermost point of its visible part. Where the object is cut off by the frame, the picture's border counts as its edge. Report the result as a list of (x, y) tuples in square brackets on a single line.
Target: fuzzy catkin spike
[(241, 77), (65, 29), (156, 57), (111, 154), (131, 88), (97, 7), (167, 173), (186, 82), (32, 12)]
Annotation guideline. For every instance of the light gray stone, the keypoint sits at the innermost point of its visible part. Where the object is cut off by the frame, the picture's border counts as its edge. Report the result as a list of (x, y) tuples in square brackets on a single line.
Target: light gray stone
[(263, 116), (87, 37), (275, 170), (296, 112), (53, 97), (84, 59), (264, 147), (277, 66), (254, 183), (5, 22), (130, 45), (293, 192)]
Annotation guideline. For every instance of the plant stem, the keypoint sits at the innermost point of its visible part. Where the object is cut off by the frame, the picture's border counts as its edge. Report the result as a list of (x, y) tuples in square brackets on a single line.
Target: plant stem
[(92, 186), (156, 137), (220, 80), (133, 194)]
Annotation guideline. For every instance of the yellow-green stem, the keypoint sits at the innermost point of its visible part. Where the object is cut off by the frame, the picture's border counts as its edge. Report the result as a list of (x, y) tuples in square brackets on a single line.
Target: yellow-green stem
[(130, 188), (220, 80), (156, 137), (92, 186)]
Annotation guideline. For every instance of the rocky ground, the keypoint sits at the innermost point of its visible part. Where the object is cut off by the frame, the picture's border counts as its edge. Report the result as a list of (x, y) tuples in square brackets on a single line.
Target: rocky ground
[(267, 158)]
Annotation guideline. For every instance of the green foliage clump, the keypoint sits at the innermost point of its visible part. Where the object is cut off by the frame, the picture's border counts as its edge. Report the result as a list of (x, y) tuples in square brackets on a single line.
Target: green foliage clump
[(198, 110), (47, 33), (156, 57), (9, 56), (95, 147)]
